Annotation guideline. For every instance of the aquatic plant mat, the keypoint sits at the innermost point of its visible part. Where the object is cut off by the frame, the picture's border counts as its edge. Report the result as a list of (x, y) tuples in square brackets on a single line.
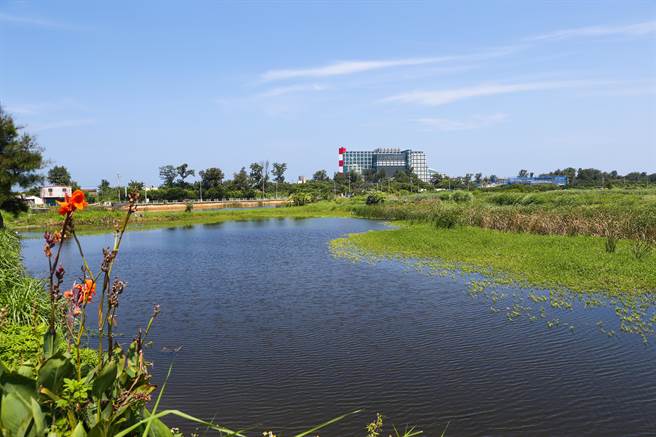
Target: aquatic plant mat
[(521, 275)]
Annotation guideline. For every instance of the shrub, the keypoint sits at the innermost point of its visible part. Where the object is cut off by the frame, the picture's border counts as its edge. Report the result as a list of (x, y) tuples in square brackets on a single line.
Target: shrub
[(375, 198), (462, 196), (446, 218), (301, 198), (189, 206), (444, 195)]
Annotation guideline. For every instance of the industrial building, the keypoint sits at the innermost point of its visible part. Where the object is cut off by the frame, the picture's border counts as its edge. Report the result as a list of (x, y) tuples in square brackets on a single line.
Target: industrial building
[(389, 160)]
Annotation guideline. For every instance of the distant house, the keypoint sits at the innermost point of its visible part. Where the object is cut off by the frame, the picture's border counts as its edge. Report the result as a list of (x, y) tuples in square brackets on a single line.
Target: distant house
[(54, 193)]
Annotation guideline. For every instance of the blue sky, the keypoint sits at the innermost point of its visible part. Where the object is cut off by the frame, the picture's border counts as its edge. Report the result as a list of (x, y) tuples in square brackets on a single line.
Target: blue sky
[(489, 86)]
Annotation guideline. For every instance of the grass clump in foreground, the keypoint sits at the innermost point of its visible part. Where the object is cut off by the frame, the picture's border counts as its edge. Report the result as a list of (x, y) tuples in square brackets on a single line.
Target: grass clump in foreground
[(578, 263)]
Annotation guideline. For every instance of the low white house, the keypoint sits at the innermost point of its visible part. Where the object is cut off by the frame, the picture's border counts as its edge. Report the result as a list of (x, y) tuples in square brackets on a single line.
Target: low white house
[(33, 201), (54, 193)]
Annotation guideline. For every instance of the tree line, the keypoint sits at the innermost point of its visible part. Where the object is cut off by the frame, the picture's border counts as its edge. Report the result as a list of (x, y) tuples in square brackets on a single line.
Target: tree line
[(21, 161)]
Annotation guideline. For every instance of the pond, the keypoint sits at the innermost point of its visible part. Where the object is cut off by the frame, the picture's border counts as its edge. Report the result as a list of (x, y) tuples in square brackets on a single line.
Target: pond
[(278, 333)]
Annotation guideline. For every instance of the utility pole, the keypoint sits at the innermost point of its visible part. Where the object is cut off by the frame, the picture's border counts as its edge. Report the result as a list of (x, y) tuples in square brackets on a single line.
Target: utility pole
[(118, 189)]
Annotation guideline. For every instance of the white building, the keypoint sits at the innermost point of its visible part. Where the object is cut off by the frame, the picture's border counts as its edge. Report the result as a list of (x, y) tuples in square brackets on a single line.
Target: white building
[(54, 193), (33, 201)]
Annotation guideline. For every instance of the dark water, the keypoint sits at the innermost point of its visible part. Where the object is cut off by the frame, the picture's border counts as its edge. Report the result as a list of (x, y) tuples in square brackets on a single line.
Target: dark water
[(279, 334)]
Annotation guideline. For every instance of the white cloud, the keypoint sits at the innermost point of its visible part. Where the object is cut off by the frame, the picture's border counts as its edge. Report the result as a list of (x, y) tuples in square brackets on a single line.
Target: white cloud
[(63, 124), (280, 91), (342, 68), (443, 97), (637, 29), (475, 122), (38, 22)]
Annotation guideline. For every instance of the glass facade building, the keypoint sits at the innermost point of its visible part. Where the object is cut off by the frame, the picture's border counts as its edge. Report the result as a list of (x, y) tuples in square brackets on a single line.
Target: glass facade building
[(389, 160)]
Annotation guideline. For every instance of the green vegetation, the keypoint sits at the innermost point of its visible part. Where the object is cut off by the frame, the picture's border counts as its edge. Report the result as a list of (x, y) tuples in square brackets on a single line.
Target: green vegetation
[(629, 214), (22, 300), (20, 159), (102, 219), (578, 263)]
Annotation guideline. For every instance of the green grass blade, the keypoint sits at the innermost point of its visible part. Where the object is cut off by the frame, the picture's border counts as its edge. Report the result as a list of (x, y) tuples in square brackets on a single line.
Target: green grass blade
[(330, 422)]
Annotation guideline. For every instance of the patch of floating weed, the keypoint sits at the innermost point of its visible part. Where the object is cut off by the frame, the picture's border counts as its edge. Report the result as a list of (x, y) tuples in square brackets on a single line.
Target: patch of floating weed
[(635, 312)]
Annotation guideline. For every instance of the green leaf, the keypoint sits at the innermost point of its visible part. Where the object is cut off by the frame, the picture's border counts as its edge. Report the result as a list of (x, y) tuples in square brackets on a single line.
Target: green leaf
[(226, 432), (53, 372), (323, 425), (79, 431), (159, 429), (38, 417), (15, 415), (50, 344), (104, 380)]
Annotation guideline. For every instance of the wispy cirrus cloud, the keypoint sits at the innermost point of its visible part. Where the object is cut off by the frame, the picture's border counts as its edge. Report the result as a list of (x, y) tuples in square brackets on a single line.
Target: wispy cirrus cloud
[(283, 90), (342, 68), (636, 29), (37, 22), (443, 97), (475, 122), (63, 124)]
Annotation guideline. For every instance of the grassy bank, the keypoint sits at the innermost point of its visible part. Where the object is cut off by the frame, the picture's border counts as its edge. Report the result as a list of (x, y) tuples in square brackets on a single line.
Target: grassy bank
[(614, 214), (578, 263), (101, 219)]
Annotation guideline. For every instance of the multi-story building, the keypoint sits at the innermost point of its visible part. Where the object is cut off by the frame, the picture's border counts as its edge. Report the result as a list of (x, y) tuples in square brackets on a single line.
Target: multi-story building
[(389, 160)]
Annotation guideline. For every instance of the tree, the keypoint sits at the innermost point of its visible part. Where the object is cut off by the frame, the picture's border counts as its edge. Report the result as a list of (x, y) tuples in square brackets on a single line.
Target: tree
[(278, 172), (320, 175), (59, 175), (20, 159), (184, 172), (167, 174), (478, 177), (436, 179), (135, 187), (104, 189), (523, 173), (211, 178), (240, 180), (256, 174)]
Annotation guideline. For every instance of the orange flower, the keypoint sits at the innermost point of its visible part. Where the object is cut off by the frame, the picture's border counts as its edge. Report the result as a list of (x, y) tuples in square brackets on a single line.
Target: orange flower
[(71, 203), (78, 200), (68, 294), (86, 291), (65, 207)]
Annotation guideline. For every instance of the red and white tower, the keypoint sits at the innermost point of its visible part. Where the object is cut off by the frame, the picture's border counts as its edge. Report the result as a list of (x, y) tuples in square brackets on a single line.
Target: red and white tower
[(340, 158)]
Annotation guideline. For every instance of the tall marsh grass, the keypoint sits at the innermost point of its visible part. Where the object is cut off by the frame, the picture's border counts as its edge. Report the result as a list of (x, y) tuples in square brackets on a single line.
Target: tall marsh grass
[(610, 215), (22, 299)]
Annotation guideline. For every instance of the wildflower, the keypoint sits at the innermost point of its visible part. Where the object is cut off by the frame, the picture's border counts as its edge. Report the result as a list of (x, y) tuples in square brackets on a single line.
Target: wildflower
[(85, 291), (72, 203), (68, 294)]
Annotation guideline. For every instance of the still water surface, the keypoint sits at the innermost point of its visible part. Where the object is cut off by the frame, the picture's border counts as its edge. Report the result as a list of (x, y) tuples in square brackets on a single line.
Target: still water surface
[(277, 333)]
